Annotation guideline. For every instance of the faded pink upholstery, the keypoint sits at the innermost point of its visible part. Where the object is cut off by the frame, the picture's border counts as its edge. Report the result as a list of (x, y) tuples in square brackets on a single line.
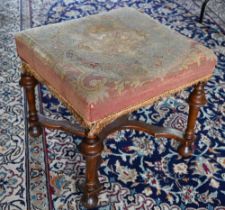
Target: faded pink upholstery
[(105, 63)]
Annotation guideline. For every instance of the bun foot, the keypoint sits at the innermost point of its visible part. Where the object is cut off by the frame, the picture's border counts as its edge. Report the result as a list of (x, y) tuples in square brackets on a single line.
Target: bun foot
[(35, 131), (185, 150), (89, 201)]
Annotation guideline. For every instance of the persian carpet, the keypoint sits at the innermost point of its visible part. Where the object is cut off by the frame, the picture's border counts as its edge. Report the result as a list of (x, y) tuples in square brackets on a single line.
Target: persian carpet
[(15, 171), (214, 10), (138, 171), (12, 147)]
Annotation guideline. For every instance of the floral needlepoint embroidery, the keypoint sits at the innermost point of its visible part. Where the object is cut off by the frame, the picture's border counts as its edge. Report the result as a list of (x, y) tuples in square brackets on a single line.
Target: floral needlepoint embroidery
[(107, 53)]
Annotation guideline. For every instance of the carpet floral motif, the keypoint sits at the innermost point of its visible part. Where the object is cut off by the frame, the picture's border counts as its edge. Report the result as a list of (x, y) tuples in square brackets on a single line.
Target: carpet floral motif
[(9, 181), (12, 146)]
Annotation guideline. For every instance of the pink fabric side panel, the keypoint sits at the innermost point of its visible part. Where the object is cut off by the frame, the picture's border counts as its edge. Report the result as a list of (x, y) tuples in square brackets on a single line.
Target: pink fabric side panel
[(53, 79)]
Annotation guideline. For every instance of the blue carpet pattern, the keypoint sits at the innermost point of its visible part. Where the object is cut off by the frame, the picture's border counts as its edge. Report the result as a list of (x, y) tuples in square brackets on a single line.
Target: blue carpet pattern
[(139, 171), (12, 170)]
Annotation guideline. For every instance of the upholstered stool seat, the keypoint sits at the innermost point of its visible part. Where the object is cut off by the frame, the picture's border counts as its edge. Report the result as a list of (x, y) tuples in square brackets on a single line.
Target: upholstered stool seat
[(107, 65)]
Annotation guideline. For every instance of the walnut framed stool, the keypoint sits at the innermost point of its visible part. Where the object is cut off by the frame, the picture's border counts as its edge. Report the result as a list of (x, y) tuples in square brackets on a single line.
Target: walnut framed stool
[(105, 66)]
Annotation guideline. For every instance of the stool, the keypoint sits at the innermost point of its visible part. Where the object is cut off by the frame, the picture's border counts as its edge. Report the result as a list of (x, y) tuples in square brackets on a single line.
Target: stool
[(105, 66)]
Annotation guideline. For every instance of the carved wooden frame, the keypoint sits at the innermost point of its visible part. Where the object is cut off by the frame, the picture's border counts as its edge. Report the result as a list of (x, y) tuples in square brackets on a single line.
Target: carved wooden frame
[(92, 145)]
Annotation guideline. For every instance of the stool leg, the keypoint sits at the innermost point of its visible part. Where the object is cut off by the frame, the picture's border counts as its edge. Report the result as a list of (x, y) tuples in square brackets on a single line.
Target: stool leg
[(91, 148), (29, 83), (196, 100)]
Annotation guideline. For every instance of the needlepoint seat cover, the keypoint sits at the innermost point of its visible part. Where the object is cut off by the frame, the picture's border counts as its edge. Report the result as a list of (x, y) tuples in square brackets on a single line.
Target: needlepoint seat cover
[(114, 61)]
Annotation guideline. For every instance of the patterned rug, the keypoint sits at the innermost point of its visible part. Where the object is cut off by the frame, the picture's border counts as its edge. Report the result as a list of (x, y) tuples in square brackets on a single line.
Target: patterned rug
[(214, 10), (138, 172), (12, 147)]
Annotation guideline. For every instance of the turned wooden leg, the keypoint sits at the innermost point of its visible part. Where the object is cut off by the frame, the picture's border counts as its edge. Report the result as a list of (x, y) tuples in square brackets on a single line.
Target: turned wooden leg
[(196, 100), (91, 148), (29, 83)]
